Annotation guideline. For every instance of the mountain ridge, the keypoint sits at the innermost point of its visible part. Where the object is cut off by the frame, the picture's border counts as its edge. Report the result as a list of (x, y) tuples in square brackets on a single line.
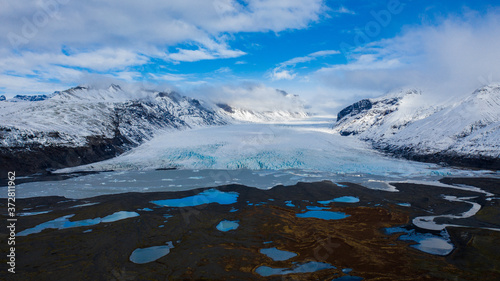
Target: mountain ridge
[(462, 133), (86, 124)]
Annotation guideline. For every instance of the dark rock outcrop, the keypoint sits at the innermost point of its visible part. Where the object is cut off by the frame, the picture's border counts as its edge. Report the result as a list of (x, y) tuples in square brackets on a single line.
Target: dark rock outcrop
[(32, 159), (444, 158), (355, 108), (21, 98)]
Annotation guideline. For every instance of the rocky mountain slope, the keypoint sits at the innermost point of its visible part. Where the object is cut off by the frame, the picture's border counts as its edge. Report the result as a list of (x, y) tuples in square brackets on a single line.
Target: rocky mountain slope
[(87, 124), (463, 133), (296, 109)]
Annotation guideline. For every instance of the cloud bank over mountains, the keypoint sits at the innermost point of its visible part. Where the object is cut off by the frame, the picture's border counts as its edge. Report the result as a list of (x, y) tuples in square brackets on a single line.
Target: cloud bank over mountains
[(226, 45)]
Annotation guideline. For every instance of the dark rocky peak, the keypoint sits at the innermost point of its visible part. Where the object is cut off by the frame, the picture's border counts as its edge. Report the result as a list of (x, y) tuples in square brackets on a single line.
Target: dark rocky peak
[(115, 87), (225, 107), (21, 98), (173, 95), (2, 98), (285, 94), (355, 108), (79, 87)]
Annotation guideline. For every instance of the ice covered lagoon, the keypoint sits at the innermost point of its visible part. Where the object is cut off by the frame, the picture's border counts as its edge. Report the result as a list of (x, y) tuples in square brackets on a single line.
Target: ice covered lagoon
[(257, 155)]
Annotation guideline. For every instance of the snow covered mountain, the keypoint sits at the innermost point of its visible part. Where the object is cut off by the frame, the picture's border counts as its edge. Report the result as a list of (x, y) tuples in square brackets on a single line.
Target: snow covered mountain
[(464, 133), (87, 124), (295, 109)]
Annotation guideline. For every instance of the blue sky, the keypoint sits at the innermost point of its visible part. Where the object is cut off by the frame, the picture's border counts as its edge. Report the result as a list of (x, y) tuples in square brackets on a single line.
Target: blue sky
[(330, 52)]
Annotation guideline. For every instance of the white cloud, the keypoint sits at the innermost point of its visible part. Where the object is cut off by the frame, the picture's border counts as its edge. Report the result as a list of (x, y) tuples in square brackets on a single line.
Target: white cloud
[(147, 24), (309, 57), (451, 58), (247, 95), (203, 54), (281, 73), (115, 35), (344, 10)]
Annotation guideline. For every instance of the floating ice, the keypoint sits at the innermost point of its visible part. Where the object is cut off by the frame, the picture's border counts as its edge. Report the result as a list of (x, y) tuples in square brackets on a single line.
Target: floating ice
[(119, 216), (434, 245), (24, 214), (343, 199), (205, 197), (428, 243), (404, 204), (64, 222), (145, 255), (85, 205), (324, 215), (277, 255), (311, 266), (227, 225)]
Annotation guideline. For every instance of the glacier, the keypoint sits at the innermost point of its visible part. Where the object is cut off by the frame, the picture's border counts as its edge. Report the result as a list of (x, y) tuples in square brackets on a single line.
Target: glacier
[(259, 155), (299, 144)]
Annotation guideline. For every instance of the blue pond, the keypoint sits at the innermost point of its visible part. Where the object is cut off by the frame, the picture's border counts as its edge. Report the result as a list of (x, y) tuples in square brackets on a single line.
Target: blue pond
[(63, 222), (311, 266), (145, 255), (324, 215), (205, 197), (277, 255), (289, 204), (343, 199), (428, 243), (227, 225)]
